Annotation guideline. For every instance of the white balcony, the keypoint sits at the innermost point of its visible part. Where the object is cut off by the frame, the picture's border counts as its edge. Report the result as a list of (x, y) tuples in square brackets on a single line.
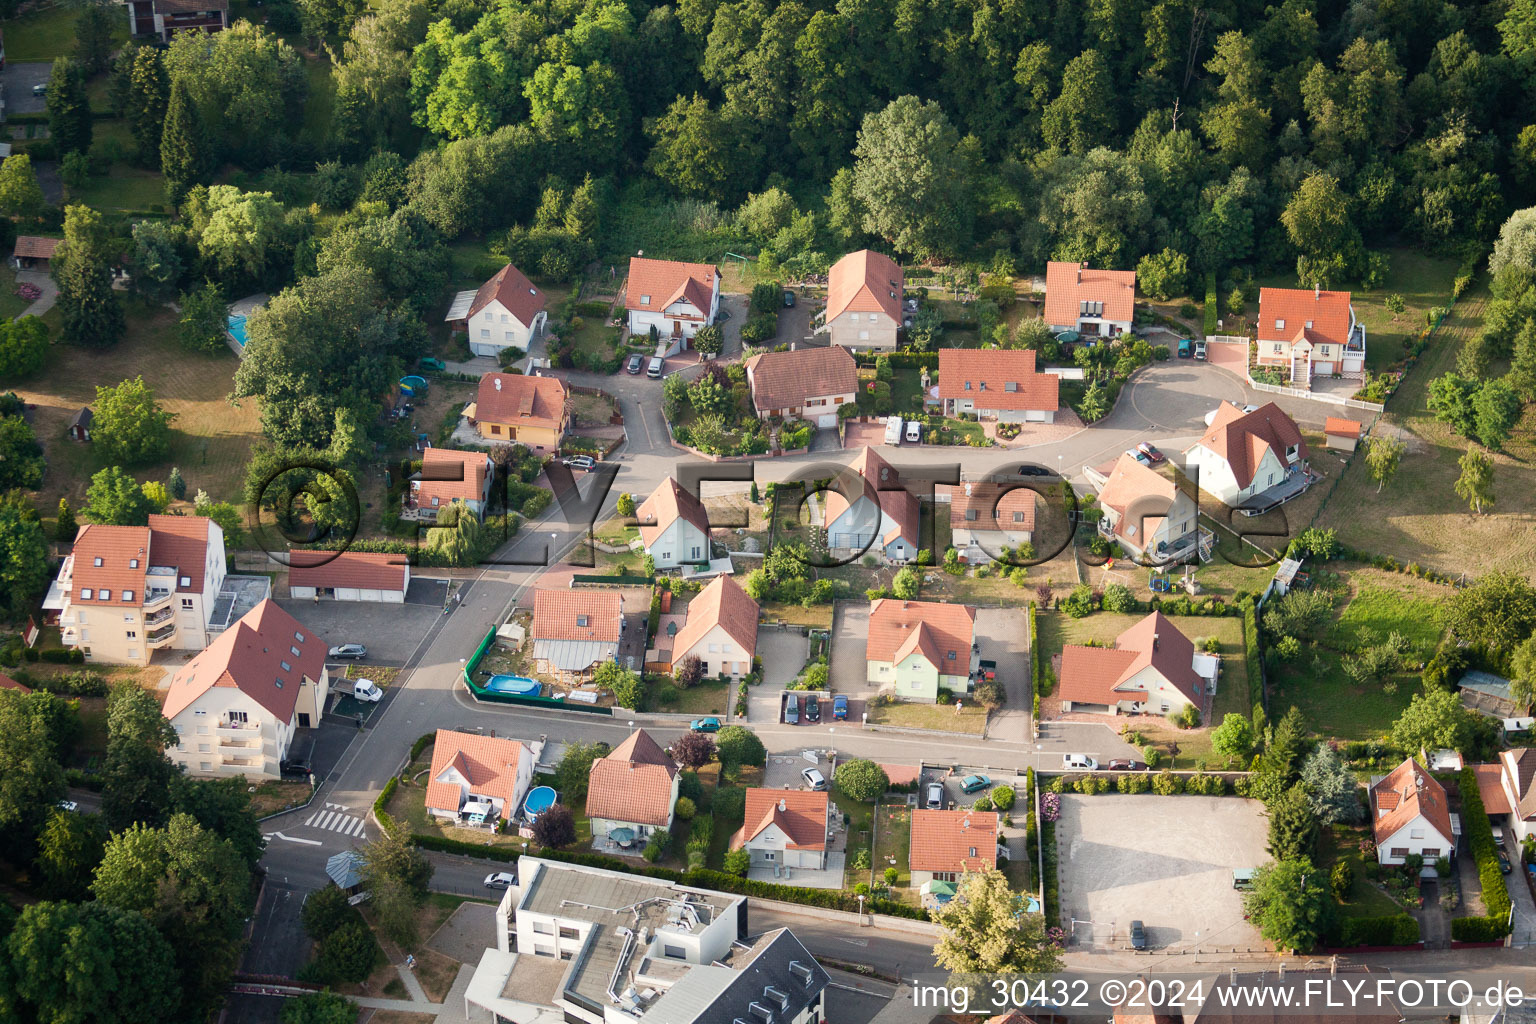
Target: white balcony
[(162, 636), (154, 599)]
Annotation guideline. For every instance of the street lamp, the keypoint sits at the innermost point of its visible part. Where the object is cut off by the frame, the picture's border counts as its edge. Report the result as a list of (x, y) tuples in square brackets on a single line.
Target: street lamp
[(861, 910)]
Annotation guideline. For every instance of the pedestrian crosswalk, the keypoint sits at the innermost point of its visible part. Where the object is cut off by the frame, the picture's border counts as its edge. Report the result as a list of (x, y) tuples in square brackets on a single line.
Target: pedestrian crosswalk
[(334, 818)]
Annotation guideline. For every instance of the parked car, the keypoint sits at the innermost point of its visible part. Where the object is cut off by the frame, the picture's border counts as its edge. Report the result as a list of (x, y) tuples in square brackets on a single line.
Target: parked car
[(972, 783), (935, 796), (1199, 350), (367, 690), (1125, 764), (40, 90), (349, 651), (893, 430), (705, 725), (839, 708), (792, 709), (914, 432), (1078, 762), (814, 779), (1139, 456), (1504, 865), (72, 807), (789, 300), (636, 364), (581, 462), (1151, 452), (654, 370), (428, 363), (813, 708), (1028, 469), (1498, 836), (500, 880), (1138, 936), (1184, 348), (297, 766)]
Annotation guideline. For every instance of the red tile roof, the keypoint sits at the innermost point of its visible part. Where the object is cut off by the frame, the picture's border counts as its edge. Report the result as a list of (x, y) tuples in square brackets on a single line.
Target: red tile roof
[(115, 547), (557, 615), (1242, 438), (360, 569), (1490, 786), (945, 840), (633, 783), (896, 628), (181, 542), (996, 379), (1069, 285), (723, 603), (1136, 491), (447, 473), (1407, 793), (787, 380), (1090, 675), (1521, 766), (520, 400), (801, 814), (893, 500), (667, 281), (667, 504), (1335, 427), (514, 291), (7, 683), (864, 282), (995, 506), (1284, 315), (33, 247), (250, 655), (489, 765)]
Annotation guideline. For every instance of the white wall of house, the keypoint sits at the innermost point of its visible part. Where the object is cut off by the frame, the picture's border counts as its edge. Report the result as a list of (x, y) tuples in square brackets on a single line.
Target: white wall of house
[(858, 526), (494, 328), (681, 543), (771, 846), (719, 653), (353, 594), (1416, 837), (1216, 475), (682, 314), (1002, 415), (1095, 327), (519, 786), (863, 331), (1519, 826), (213, 742)]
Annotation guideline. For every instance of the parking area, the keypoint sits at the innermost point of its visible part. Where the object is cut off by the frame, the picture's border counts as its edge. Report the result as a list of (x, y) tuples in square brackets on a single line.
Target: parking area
[(847, 672), (952, 778), (1166, 861), (1003, 634), (391, 632), (19, 78)]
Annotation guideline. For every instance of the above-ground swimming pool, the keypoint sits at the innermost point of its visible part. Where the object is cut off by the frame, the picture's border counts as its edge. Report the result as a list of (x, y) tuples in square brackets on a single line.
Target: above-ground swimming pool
[(237, 329), (539, 800), (520, 685)]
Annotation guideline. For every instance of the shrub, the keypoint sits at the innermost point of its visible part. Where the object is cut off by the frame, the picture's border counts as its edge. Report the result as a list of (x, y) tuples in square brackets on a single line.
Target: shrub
[(1165, 783), (685, 808), (1341, 879), (1478, 929), (862, 780), (1003, 797), (1079, 603), (1118, 598), (737, 862), (1396, 930), (1484, 851)]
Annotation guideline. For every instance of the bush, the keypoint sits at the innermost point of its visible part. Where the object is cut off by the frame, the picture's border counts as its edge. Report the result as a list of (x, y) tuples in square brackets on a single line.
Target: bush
[(1003, 797), (1396, 930), (1484, 851), (1118, 598), (685, 808), (1341, 879), (1079, 603), (1211, 312), (1478, 929), (1165, 783), (862, 780), (737, 862), (348, 954)]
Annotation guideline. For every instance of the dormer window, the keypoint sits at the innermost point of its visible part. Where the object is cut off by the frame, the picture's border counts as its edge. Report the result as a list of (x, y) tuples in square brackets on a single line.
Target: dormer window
[(951, 655), (1309, 325)]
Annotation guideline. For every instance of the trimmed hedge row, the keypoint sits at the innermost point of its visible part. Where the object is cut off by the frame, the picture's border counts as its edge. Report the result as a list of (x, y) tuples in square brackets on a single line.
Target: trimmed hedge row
[(1479, 929), (385, 821), (1037, 673), (1484, 853), (1397, 930), (1210, 303), (422, 743), (901, 359), (1251, 654)]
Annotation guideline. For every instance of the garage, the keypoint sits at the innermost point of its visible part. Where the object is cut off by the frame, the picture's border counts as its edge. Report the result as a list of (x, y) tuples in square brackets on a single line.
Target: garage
[(348, 576), (829, 420), (1034, 416), (1322, 369)]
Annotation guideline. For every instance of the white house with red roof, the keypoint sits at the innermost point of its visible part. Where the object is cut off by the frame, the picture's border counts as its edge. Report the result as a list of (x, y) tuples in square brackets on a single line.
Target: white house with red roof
[(448, 475), (505, 312), (1250, 460), (948, 844), (1094, 303), (1508, 788), (237, 705), (633, 788), (574, 631), (720, 630), (878, 515), (674, 527), (674, 298), (348, 576), (1152, 669), (916, 648), (1146, 513), (808, 383), (784, 828), (864, 296), (1310, 333), (997, 384), (1410, 815), (477, 778), (985, 517)]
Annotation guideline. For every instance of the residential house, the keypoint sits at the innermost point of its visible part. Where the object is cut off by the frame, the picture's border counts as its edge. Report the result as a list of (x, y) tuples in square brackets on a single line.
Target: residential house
[(920, 647), (1250, 460), (164, 18), (515, 408), (1517, 771), (7, 683), (1146, 513), (1310, 333), (1094, 303), (985, 517), (128, 591), (996, 384), (810, 384), (80, 424), (673, 299), (784, 827), (505, 312), (235, 707), (477, 778), (720, 630), (1410, 815), (575, 631), (1152, 669), (348, 576), (674, 527), (632, 791), (1343, 435), (864, 302), (880, 516), (947, 844), (33, 252), (449, 475), (585, 945)]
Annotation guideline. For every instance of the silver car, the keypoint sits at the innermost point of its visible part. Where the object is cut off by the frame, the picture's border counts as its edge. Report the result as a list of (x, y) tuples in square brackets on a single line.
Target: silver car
[(349, 651)]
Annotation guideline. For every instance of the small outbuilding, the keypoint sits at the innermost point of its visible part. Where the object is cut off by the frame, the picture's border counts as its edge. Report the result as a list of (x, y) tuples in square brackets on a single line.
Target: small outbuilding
[(34, 252), (80, 425), (1343, 435), (348, 576)]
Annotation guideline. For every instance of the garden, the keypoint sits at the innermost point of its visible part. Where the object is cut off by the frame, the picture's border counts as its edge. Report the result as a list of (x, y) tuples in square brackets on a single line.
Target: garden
[(714, 414)]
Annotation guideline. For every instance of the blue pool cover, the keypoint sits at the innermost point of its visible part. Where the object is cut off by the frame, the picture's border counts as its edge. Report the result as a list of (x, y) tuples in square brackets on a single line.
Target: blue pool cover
[(237, 329), (513, 684), (540, 799)]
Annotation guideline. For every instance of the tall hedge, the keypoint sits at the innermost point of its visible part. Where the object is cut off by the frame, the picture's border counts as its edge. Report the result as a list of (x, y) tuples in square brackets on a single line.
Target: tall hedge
[(1397, 930), (1485, 855), (1210, 303)]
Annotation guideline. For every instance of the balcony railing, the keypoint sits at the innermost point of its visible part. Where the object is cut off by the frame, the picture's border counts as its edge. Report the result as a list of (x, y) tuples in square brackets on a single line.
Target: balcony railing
[(164, 635), (238, 729), (158, 616), (156, 598)]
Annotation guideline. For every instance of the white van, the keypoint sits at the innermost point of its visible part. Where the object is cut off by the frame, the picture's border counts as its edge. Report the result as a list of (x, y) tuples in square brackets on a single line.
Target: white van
[(893, 430), (914, 432), (1079, 762)]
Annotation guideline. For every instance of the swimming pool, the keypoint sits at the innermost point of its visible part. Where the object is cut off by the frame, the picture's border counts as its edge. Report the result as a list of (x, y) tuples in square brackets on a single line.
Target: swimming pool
[(520, 685), (539, 800), (237, 329)]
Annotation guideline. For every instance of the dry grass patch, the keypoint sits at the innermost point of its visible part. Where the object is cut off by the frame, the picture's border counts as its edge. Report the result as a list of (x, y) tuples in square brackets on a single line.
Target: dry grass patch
[(273, 796), (436, 973)]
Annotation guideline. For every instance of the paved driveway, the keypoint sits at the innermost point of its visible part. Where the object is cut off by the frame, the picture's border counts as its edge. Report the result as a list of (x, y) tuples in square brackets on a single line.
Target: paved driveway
[(850, 645), (19, 78), (1004, 637)]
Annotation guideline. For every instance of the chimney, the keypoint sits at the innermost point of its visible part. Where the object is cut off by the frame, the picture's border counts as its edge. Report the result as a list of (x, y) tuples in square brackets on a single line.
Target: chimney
[(1154, 641), (1317, 291), (1080, 272)]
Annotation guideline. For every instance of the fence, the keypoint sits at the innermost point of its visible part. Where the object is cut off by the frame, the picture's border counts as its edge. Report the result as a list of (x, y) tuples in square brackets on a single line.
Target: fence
[(480, 693), (1316, 396)]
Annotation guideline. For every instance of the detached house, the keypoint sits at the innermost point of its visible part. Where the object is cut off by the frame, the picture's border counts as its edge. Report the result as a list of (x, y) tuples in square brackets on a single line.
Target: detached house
[(1516, 780), (809, 384), (1410, 815), (1146, 513), (674, 527), (1152, 669), (505, 312), (676, 299), (996, 384), (985, 517), (447, 475), (947, 844), (1310, 333), (516, 408), (164, 18), (864, 296), (1094, 303), (920, 647), (477, 778), (236, 705), (1251, 460), (880, 515), (574, 631), (784, 827), (720, 630), (632, 791)]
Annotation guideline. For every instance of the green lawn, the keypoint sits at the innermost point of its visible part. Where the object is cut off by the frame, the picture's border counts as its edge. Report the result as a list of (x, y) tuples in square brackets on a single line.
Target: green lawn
[(1385, 609), (319, 102), (44, 35), (893, 847), (859, 817), (123, 186), (1365, 899), (971, 719), (11, 304), (906, 391), (595, 338), (707, 698), (1334, 704)]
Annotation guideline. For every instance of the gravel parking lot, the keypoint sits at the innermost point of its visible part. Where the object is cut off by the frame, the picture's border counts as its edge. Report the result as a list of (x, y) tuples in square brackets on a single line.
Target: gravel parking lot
[(1164, 860)]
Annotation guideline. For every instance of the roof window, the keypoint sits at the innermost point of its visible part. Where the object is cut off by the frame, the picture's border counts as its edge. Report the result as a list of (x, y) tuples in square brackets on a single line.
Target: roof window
[(127, 595), (581, 620), (85, 594), (97, 561), (133, 563), (645, 300), (299, 637), (1279, 325), (1011, 385)]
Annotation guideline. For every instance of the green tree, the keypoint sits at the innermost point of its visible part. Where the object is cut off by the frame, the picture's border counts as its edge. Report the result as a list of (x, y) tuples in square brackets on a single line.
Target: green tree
[(246, 236), (862, 780), (130, 426), (223, 807), (1290, 903), (319, 1008), (1475, 485), (1382, 455), (1516, 244), (1497, 408), (23, 557), (160, 256), (176, 485), (1292, 825), (68, 850), (1433, 720), (21, 457), (1522, 674), (183, 140), (20, 194), (1233, 738), (69, 109), (986, 932), (739, 746), (576, 766), (138, 777), (1522, 367), (1317, 220), (625, 506), (149, 97), (93, 35), (1163, 275), (1496, 613), (911, 177), (624, 683), (115, 498), (349, 954), (906, 584), (65, 527), (1093, 405), (397, 874), (1451, 398), (92, 311), (1082, 115), (699, 149), (33, 782), (23, 346), (1331, 787)]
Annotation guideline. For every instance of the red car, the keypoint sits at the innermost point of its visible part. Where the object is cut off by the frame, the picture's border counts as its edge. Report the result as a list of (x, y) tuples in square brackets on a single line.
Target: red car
[(1151, 452)]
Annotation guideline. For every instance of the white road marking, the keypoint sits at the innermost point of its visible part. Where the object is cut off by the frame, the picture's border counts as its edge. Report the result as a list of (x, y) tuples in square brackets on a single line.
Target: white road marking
[(291, 839)]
